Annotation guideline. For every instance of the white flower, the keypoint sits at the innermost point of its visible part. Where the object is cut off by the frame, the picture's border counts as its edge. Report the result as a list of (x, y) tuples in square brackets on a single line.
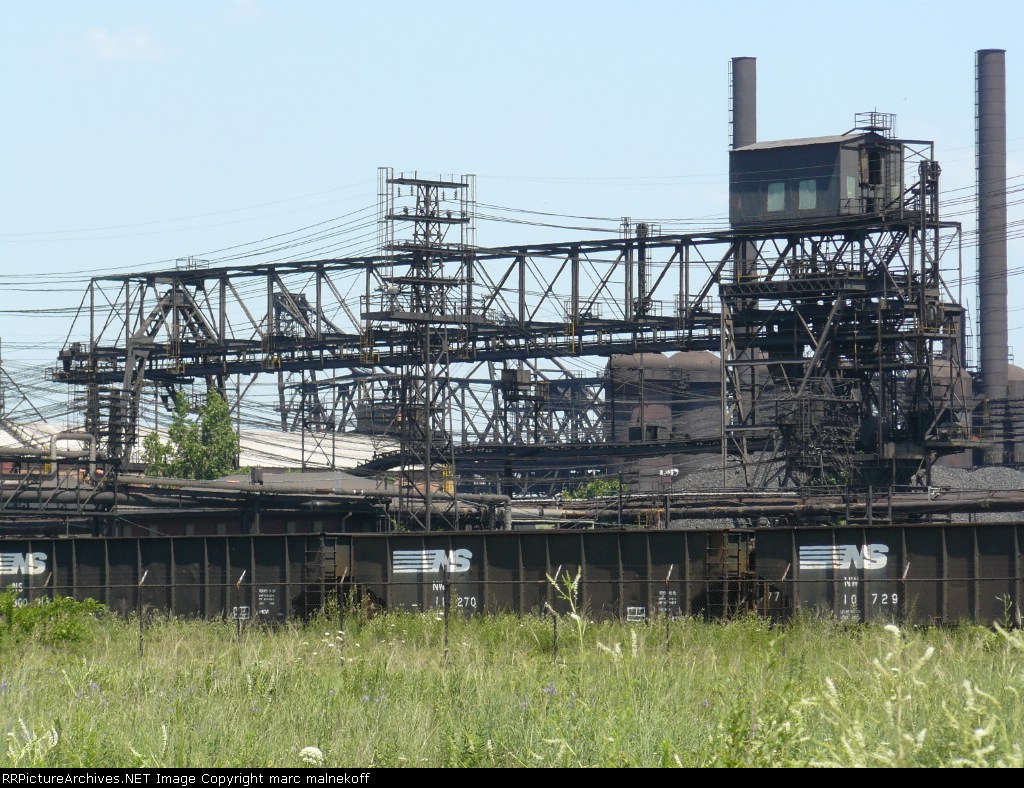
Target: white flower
[(311, 756)]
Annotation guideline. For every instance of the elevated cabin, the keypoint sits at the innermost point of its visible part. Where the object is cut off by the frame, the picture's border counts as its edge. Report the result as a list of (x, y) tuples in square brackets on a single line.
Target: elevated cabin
[(815, 179)]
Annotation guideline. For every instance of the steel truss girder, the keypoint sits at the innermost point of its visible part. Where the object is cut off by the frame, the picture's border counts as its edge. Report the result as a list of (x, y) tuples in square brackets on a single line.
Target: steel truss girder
[(560, 406), (515, 304), (836, 337)]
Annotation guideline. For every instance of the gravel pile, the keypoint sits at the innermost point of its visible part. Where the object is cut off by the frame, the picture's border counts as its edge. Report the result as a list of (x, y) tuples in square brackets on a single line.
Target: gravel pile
[(710, 479), (991, 478)]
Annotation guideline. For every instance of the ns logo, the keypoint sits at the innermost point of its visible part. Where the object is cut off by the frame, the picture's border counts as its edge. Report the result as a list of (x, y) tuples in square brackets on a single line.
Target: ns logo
[(868, 557), (427, 561), (22, 563)]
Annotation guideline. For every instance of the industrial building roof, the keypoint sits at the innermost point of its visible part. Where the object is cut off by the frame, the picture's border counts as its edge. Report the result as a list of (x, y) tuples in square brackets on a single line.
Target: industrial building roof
[(833, 139)]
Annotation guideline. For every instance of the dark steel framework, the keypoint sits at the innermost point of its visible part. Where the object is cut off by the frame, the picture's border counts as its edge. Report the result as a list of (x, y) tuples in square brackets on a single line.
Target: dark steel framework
[(842, 342), (843, 348), (427, 305)]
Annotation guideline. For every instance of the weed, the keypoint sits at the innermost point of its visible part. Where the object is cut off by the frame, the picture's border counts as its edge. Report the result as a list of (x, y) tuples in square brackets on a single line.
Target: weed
[(731, 694), (55, 621)]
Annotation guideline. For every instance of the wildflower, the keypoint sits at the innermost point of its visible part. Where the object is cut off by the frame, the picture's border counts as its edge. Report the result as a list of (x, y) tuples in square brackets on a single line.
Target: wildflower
[(550, 689), (311, 756), (894, 629), (94, 686)]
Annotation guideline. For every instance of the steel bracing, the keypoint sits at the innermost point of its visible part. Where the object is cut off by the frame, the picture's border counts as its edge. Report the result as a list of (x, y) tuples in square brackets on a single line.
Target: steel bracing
[(842, 342), (844, 350)]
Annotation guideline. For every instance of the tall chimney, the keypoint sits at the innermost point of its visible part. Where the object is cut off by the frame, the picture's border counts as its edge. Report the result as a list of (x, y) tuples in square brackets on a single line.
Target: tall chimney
[(990, 74), (744, 101)]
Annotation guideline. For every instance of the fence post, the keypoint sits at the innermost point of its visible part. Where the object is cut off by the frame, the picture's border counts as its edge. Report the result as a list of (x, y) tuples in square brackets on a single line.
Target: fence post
[(139, 611), (341, 614), (554, 636), (238, 615), (903, 594), (446, 603), (554, 613), (666, 611)]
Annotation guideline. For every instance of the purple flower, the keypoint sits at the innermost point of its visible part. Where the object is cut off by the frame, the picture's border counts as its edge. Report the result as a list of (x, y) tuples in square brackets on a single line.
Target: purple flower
[(94, 686), (550, 689)]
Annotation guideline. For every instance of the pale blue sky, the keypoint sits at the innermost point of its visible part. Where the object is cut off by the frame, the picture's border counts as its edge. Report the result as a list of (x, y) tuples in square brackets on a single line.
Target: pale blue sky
[(138, 132)]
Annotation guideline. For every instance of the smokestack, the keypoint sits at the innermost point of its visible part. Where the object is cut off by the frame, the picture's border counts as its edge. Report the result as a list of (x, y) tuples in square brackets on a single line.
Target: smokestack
[(990, 75), (744, 101)]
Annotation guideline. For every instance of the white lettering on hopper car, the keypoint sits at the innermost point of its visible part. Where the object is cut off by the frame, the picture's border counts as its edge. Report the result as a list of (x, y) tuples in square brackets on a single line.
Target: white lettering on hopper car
[(843, 556), (22, 563), (409, 561)]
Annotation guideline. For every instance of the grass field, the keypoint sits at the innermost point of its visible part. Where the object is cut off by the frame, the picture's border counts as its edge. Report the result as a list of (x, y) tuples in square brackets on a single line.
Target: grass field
[(74, 692)]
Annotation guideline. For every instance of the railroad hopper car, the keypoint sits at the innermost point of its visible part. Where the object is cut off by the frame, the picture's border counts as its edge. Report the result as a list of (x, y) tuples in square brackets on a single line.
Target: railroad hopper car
[(921, 574)]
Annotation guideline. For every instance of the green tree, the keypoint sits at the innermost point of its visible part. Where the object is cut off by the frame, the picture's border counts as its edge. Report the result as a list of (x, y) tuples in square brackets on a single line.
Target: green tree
[(595, 488), (204, 447)]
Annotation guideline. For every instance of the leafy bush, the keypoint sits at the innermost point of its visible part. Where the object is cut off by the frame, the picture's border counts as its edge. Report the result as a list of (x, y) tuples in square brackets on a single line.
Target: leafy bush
[(596, 488), (51, 621)]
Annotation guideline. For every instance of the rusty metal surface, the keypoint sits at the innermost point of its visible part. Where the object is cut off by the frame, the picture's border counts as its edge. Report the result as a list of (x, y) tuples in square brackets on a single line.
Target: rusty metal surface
[(922, 574)]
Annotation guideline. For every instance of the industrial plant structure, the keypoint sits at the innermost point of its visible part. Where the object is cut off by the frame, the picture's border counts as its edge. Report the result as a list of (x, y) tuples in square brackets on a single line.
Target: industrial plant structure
[(832, 305), (816, 350)]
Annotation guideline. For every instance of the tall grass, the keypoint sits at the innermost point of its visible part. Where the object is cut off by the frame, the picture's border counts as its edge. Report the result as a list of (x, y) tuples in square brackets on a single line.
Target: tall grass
[(383, 694)]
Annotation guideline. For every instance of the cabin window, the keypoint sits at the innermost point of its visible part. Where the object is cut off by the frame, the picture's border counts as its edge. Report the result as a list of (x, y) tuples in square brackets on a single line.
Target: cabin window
[(851, 187), (875, 167), (808, 195), (777, 196)]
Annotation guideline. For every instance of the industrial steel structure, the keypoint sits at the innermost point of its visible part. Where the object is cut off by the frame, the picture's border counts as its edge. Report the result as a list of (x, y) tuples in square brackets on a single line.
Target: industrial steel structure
[(841, 341), (817, 348), (821, 340)]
